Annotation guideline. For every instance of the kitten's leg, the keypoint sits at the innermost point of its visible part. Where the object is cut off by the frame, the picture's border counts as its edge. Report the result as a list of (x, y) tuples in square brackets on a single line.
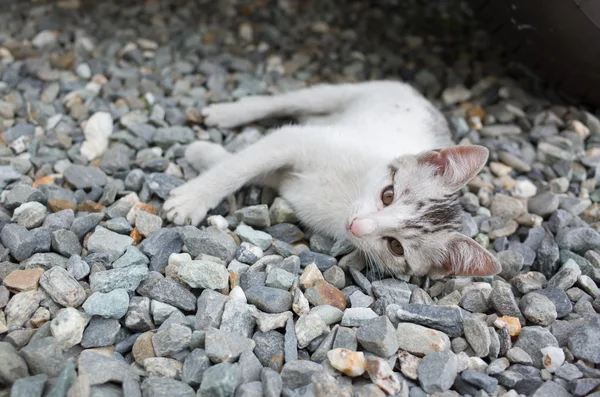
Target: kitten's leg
[(320, 99), (189, 203)]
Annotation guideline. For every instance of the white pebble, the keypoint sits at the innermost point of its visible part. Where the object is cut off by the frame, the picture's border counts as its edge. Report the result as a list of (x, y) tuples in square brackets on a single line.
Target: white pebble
[(178, 259), (237, 294), (347, 361), (83, 71), (553, 357), (218, 221), (43, 39), (524, 188), (67, 327), (97, 130)]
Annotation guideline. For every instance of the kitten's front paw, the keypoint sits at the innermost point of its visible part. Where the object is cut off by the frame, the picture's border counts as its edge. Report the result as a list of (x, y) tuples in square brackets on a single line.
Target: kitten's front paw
[(184, 208)]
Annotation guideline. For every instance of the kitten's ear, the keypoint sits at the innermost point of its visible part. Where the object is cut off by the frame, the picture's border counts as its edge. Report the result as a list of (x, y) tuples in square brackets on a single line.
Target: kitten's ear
[(465, 257), (456, 165)]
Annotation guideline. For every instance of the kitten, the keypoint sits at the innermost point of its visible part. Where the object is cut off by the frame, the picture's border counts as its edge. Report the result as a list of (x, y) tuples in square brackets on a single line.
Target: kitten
[(371, 162)]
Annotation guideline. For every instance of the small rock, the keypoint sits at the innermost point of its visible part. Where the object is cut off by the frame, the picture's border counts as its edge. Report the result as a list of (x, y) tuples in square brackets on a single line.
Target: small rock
[(477, 335), (23, 280), (194, 367), (532, 340), (210, 241), (113, 304), (437, 371), (219, 380), (85, 177), (77, 267), (308, 327), (66, 243), (44, 356), (378, 336), (255, 216), (298, 373), (323, 293), (479, 380), (269, 300), (62, 287), (538, 309), (322, 261), (222, 346), (204, 274), (552, 357), (67, 327), (171, 339), (420, 340), (543, 204), (100, 332), (30, 214), (12, 366), (128, 278), (254, 237), (104, 240), (357, 316), (157, 387), (516, 355)]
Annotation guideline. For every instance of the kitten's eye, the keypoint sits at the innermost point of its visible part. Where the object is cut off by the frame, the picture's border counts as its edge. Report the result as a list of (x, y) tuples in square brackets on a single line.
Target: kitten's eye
[(387, 195), (395, 246)]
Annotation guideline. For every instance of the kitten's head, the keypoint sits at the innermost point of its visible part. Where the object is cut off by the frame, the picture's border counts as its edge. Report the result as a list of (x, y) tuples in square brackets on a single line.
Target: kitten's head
[(408, 216)]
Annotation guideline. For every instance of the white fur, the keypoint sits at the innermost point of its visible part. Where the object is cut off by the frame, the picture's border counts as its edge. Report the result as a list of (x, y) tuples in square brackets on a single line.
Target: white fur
[(332, 167)]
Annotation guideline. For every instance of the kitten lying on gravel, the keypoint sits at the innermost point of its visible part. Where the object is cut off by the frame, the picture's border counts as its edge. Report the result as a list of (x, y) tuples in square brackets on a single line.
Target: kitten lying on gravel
[(370, 162)]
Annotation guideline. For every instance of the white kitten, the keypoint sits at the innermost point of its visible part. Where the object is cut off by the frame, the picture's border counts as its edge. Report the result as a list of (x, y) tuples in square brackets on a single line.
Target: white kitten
[(370, 162)]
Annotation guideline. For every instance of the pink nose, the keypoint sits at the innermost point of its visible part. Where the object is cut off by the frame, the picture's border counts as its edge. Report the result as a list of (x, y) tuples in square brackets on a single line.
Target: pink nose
[(362, 227)]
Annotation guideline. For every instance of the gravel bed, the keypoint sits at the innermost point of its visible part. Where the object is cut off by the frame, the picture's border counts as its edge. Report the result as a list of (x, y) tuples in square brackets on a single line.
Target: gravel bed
[(99, 296)]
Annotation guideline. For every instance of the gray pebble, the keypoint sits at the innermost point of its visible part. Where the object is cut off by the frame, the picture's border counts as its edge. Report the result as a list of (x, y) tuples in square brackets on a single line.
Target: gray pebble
[(445, 319), (211, 305), (138, 317), (322, 261), (286, 232), (62, 287), (219, 380), (104, 240), (538, 309), (113, 304), (171, 339), (18, 240), (255, 216), (532, 339), (222, 346), (132, 257), (210, 241), (128, 278), (44, 356), (270, 300), (166, 290), (203, 274), (100, 332), (296, 374), (255, 237), (378, 336), (584, 342), (478, 336), (437, 371), (578, 240), (160, 387), (194, 367), (160, 246)]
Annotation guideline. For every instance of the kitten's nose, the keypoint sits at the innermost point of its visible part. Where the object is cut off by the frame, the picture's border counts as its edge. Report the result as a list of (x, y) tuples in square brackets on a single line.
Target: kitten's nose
[(362, 227)]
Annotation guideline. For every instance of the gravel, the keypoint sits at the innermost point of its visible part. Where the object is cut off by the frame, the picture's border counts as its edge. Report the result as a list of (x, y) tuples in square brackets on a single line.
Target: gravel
[(98, 292)]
